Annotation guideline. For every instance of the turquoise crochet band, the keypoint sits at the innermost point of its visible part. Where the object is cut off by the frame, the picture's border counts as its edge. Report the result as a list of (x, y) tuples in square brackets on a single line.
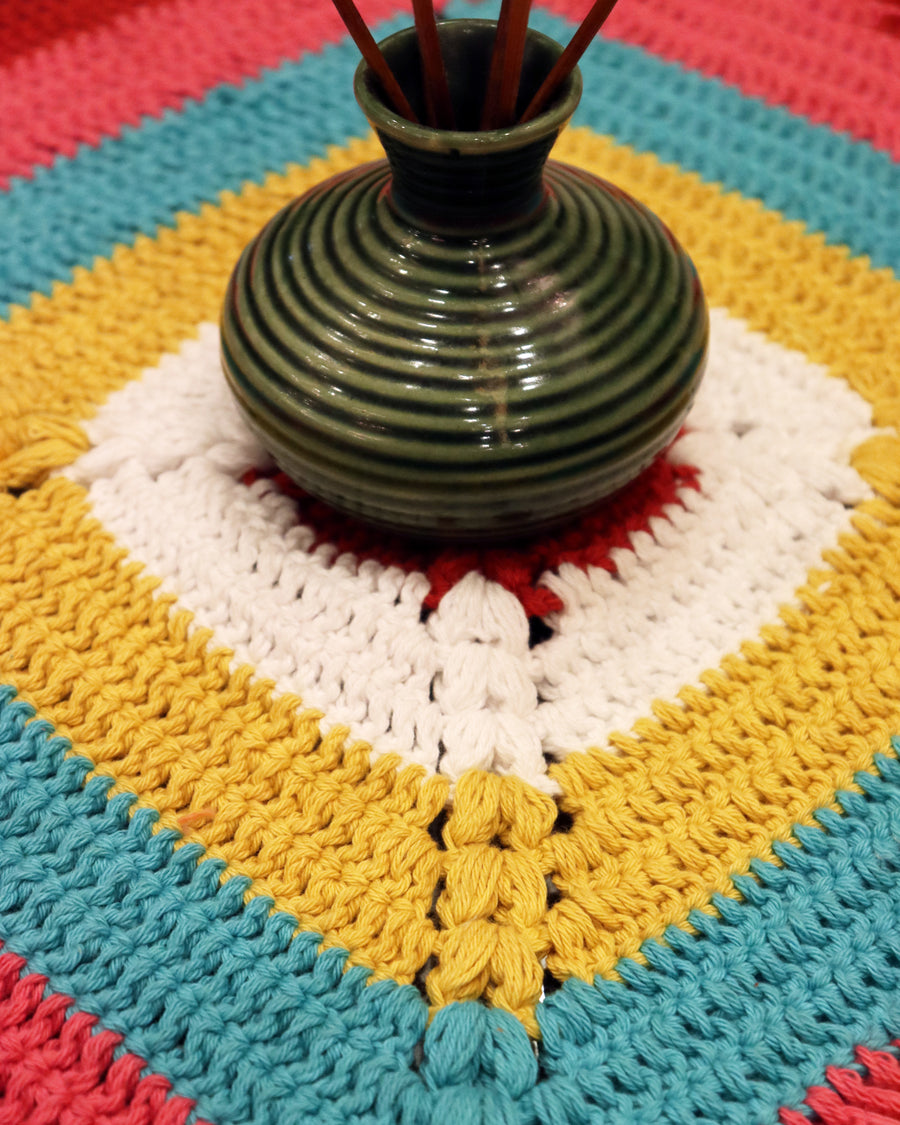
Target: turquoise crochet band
[(245, 1017)]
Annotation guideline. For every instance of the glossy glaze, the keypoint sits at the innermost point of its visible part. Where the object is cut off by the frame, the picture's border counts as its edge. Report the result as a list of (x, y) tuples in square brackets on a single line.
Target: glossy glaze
[(466, 342)]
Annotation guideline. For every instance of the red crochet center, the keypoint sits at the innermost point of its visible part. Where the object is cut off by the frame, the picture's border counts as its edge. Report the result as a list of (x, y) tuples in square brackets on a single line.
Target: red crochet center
[(586, 541)]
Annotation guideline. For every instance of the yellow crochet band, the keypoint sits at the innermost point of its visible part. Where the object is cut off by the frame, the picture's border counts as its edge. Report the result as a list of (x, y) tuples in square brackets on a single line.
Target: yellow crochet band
[(343, 845), (66, 353), (657, 830)]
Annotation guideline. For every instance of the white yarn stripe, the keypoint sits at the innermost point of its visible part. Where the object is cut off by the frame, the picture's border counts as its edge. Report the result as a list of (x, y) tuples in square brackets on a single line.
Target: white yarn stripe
[(770, 432)]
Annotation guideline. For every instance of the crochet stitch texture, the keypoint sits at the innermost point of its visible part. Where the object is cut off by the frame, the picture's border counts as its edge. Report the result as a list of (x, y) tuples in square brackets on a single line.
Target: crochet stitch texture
[(303, 823)]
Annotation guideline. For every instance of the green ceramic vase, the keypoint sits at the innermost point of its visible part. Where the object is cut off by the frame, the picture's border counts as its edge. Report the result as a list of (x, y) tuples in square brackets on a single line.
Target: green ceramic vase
[(466, 340)]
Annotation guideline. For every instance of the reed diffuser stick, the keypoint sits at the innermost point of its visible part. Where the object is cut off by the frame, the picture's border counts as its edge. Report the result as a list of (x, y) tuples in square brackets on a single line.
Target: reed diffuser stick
[(506, 65), (368, 48), (438, 106), (568, 60)]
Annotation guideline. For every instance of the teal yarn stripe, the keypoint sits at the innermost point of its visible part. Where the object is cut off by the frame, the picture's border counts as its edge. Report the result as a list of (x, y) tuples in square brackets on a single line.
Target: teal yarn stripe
[(83, 207), (740, 1020), (838, 186), (244, 1015), (221, 998)]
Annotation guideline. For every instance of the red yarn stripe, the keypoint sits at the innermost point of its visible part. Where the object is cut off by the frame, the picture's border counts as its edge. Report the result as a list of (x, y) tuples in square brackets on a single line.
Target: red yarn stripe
[(867, 1097), (82, 89), (588, 540), (57, 1069), (26, 25), (835, 63)]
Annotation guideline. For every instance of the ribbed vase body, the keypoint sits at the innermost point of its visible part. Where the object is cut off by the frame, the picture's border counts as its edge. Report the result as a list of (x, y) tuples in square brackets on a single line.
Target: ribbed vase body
[(464, 344)]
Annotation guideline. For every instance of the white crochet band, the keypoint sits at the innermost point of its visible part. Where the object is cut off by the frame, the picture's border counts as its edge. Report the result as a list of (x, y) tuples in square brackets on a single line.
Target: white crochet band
[(770, 433)]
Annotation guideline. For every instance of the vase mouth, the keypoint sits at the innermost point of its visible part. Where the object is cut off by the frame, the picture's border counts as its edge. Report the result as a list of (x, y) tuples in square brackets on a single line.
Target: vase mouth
[(466, 45)]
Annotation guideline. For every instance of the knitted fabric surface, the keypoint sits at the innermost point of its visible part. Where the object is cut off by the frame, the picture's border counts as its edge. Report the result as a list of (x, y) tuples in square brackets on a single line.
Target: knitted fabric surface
[(302, 823)]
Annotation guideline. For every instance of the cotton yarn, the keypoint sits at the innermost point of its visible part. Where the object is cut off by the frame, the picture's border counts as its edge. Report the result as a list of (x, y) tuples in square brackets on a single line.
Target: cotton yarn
[(303, 822)]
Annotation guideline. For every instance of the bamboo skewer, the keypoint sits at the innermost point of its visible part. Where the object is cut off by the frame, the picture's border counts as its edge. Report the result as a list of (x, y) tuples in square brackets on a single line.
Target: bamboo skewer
[(438, 106), (568, 60), (368, 48), (506, 65), (498, 54)]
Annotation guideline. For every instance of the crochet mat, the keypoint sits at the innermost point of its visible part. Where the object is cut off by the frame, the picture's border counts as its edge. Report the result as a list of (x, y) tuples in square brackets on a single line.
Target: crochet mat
[(303, 823)]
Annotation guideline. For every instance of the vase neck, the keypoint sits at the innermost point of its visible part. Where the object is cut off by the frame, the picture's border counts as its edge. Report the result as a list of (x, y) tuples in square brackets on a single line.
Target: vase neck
[(467, 192)]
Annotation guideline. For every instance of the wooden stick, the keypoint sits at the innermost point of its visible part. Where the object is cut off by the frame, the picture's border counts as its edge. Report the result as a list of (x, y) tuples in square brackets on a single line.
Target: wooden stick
[(505, 71), (368, 48), (495, 72), (438, 106), (512, 64), (568, 60)]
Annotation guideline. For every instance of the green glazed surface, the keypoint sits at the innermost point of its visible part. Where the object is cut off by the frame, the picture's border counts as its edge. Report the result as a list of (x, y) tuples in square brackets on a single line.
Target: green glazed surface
[(481, 367)]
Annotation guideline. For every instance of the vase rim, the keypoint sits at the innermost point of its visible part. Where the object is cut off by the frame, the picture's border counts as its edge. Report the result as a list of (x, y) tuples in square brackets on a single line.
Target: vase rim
[(386, 121)]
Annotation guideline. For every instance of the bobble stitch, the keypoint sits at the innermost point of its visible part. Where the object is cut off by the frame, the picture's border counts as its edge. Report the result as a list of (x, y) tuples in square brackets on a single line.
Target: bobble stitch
[(492, 908), (483, 688)]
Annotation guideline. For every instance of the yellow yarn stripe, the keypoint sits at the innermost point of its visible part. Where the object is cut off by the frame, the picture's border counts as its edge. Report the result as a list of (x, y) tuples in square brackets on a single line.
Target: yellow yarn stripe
[(343, 845), (68, 352), (331, 838), (707, 787)]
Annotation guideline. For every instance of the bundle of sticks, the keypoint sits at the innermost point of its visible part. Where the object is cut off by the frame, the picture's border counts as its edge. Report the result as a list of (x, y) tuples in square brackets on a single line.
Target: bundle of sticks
[(502, 92)]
